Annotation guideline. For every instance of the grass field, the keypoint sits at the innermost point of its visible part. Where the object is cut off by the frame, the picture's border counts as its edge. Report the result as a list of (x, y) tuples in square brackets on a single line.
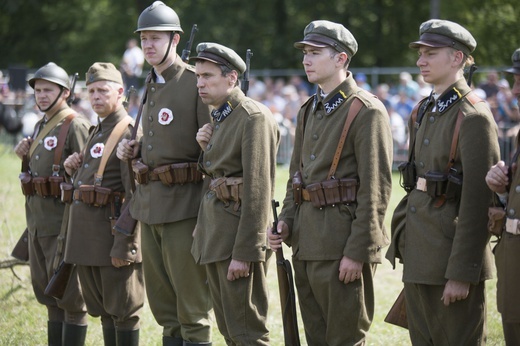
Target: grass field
[(23, 320)]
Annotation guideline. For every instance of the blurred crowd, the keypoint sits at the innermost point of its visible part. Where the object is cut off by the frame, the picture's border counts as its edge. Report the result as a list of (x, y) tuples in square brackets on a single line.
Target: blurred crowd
[(284, 97)]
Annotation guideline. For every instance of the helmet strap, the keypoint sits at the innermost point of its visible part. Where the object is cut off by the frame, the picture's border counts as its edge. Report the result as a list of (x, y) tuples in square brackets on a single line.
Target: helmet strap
[(172, 33), (52, 104)]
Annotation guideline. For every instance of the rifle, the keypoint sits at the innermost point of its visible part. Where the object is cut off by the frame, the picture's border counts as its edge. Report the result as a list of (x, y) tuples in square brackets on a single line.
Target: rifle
[(245, 78), (187, 51), (59, 280), (125, 223), (286, 289), (472, 70), (397, 313), (72, 97), (128, 93), (21, 249)]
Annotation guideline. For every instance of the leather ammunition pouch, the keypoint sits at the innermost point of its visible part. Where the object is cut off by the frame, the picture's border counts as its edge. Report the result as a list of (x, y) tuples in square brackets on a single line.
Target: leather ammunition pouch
[(228, 190), (41, 186), (496, 220), (439, 184), (175, 173), (26, 184), (331, 192), (54, 185), (408, 175), (140, 172), (96, 196), (67, 190), (297, 187)]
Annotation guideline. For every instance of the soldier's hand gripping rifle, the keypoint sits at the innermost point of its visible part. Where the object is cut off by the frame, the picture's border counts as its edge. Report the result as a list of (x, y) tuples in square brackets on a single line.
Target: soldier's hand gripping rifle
[(245, 78), (72, 95), (286, 289), (187, 51)]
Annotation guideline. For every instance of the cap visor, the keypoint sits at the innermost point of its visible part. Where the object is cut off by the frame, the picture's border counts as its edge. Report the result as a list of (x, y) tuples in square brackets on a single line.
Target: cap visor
[(420, 43), (513, 70), (301, 44)]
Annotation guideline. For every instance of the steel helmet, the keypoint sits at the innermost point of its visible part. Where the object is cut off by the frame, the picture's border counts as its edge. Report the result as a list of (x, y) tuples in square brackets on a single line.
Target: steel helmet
[(158, 17), (52, 73)]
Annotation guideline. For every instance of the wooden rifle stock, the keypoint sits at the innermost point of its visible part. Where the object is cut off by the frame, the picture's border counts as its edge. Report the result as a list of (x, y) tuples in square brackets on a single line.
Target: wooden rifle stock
[(21, 249), (59, 281), (397, 313), (287, 293)]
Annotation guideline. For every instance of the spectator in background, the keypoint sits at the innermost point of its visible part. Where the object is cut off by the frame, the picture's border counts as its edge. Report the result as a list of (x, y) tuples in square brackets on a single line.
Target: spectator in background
[(132, 64), (382, 93), (402, 104), (490, 86), (361, 81), (408, 85)]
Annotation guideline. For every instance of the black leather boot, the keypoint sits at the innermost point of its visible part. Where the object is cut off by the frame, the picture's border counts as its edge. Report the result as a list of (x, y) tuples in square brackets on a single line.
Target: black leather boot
[(54, 332), (128, 337), (109, 336), (171, 341), (74, 335)]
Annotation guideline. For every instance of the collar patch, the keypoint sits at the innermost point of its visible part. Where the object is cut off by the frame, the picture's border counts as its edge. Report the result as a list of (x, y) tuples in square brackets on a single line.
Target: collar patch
[(222, 113)]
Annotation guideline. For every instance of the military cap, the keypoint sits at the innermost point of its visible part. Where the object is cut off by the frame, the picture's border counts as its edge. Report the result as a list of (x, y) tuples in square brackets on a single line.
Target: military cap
[(443, 33), (220, 55), (106, 71), (322, 33), (515, 69)]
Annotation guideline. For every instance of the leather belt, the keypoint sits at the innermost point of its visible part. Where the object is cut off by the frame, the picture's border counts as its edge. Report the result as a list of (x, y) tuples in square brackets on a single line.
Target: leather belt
[(512, 226)]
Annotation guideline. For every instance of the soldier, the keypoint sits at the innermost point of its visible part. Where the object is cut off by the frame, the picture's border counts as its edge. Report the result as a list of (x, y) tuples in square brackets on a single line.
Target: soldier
[(57, 135), (167, 198), (336, 201), (444, 243), (108, 263), (507, 254), (240, 158)]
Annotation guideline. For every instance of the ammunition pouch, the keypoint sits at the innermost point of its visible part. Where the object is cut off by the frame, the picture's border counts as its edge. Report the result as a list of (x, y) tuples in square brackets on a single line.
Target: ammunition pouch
[(54, 185), (331, 192), (67, 190), (297, 187), (87, 194), (439, 184), (165, 175), (408, 176), (140, 172), (496, 220), (228, 190), (96, 196), (41, 186), (26, 184), (171, 174)]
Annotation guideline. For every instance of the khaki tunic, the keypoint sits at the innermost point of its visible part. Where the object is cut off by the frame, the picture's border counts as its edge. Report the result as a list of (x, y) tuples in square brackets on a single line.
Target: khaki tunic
[(166, 142), (44, 215), (89, 238), (451, 242)]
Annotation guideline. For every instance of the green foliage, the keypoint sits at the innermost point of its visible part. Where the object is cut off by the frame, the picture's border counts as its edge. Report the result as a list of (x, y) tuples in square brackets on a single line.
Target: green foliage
[(75, 33)]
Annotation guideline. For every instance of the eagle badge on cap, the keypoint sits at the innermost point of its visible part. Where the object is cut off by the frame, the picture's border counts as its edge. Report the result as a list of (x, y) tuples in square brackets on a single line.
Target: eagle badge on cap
[(165, 116), (50, 142), (97, 150)]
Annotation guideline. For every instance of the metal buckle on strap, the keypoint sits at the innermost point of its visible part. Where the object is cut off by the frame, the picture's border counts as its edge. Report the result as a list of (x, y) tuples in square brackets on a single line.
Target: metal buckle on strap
[(512, 226), (421, 184)]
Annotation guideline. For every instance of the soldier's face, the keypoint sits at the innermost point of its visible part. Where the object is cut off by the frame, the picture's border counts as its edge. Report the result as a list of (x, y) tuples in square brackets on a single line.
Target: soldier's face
[(516, 87), (154, 45), (435, 64), (46, 92), (318, 64), (104, 97), (214, 88)]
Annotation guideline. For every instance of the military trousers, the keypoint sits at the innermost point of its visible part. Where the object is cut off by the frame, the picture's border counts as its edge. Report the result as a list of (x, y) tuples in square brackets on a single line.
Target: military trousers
[(334, 313), (430, 322), (241, 305), (71, 308), (176, 287), (114, 294)]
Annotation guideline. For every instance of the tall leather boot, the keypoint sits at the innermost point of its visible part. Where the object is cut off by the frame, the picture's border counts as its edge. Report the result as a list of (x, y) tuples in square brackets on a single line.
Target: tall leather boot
[(54, 330), (171, 341), (128, 337), (74, 335), (109, 336)]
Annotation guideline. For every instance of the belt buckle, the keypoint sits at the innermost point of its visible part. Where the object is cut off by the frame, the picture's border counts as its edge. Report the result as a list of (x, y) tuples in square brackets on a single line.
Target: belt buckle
[(421, 184), (512, 226)]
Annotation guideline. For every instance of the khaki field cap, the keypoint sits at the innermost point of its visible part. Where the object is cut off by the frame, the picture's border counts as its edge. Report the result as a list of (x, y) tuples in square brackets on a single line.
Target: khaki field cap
[(322, 33), (515, 69), (103, 71), (220, 55), (443, 33)]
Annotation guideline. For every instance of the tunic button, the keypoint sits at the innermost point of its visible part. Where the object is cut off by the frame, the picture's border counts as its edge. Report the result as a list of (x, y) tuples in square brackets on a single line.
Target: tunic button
[(517, 188), (217, 127), (152, 89), (149, 147), (80, 183), (426, 141), (133, 252), (99, 134), (41, 141), (210, 194), (209, 147), (152, 103), (421, 164), (306, 176), (413, 210), (37, 157), (86, 165), (313, 157), (319, 116), (150, 118), (511, 212), (35, 174), (208, 163), (315, 137), (432, 119), (150, 133)]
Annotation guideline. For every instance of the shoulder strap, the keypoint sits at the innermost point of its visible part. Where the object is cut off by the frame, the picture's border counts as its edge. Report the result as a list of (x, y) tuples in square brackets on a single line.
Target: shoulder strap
[(55, 120), (62, 136), (110, 145), (355, 107)]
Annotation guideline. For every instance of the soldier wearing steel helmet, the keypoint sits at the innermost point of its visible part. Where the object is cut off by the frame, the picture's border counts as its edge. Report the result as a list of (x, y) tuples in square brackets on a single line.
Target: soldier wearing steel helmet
[(67, 318), (507, 252), (168, 195), (443, 237)]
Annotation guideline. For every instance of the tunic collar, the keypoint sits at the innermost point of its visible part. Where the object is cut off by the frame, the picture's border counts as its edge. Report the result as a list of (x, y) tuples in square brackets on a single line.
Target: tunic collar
[(451, 96), (336, 97), (235, 97)]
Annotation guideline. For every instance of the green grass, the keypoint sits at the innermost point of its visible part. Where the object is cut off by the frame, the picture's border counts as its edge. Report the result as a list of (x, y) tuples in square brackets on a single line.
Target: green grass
[(23, 320)]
